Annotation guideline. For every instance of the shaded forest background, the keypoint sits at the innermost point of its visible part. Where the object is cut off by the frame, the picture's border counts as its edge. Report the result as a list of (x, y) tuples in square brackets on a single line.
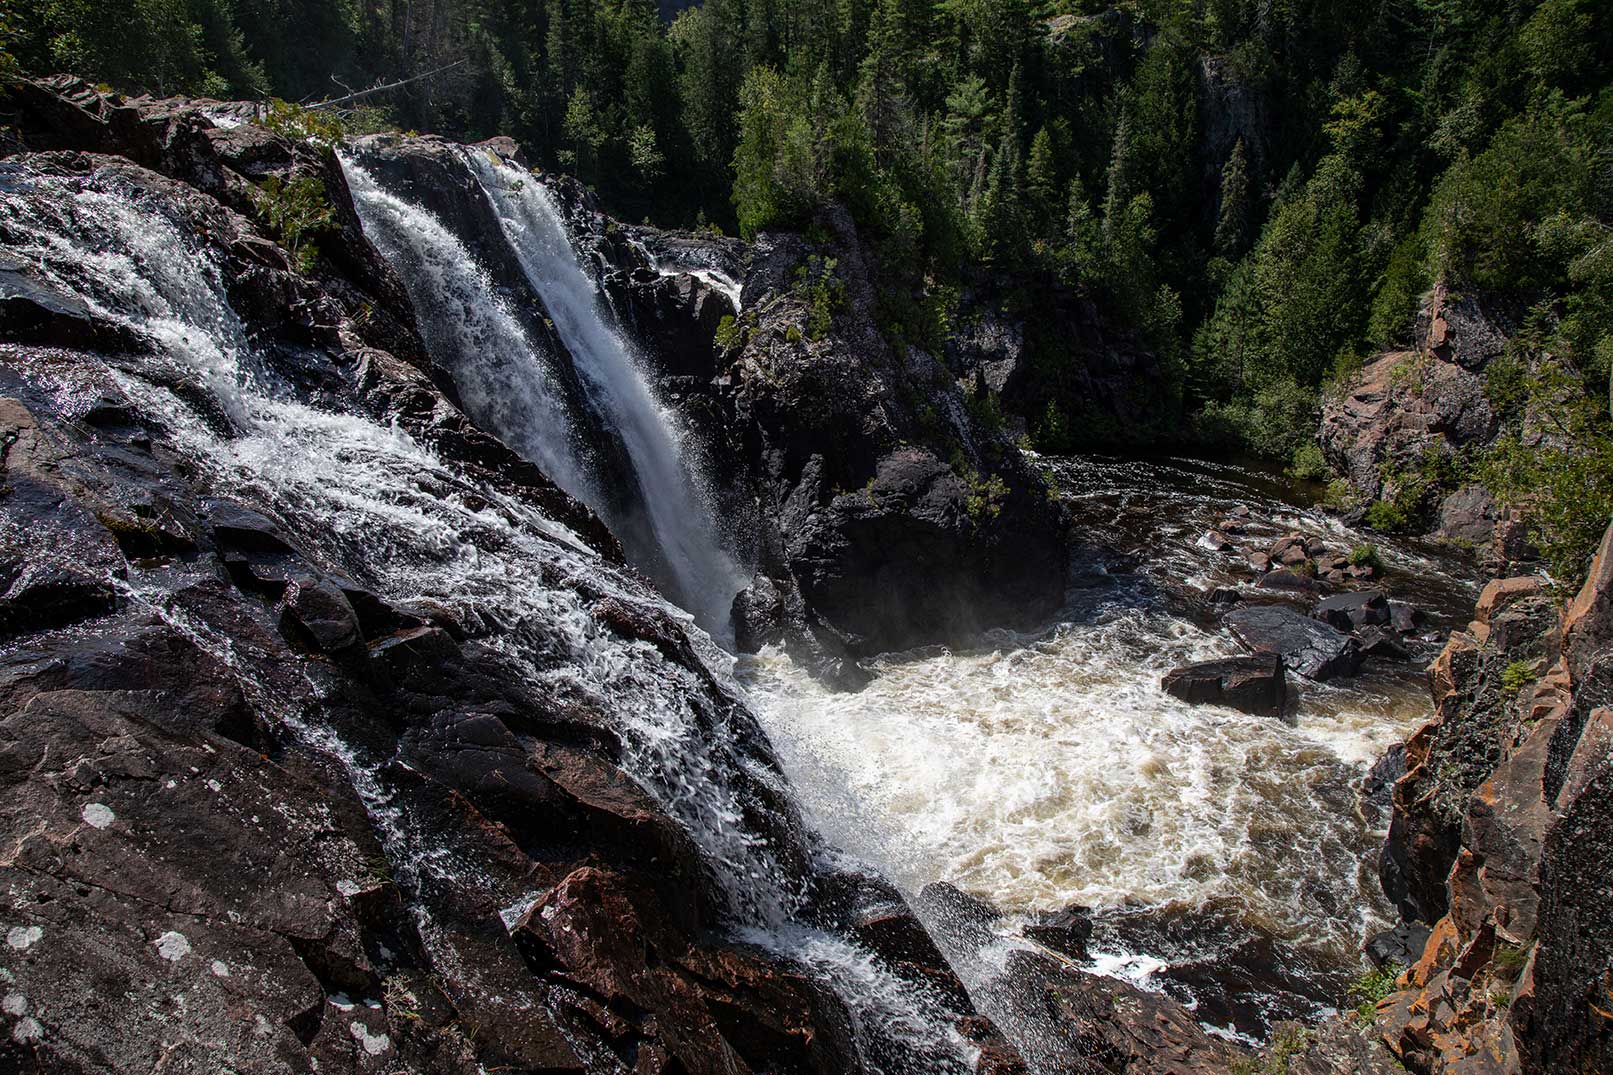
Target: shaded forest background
[(1261, 191)]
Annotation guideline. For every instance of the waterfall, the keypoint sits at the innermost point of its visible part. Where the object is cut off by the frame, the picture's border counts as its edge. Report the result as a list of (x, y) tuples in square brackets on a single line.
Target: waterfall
[(383, 508), (504, 376), (707, 577)]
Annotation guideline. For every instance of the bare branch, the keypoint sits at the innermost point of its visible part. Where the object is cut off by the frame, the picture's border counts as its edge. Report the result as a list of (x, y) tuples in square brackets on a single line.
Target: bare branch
[(351, 97)]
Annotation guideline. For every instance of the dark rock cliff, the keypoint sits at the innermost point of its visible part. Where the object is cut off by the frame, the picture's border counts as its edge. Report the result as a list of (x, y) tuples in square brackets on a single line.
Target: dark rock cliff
[(268, 809)]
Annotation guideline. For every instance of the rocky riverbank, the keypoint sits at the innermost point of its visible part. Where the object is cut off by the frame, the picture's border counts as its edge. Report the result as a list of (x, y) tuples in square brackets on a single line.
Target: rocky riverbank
[(336, 733)]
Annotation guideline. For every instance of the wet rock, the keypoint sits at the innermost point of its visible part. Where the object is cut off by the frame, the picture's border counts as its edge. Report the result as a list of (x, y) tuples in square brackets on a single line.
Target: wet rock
[(1397, 948), (1382, 643), (31, 312), (705, 1008), (319, 612), (1307, 646), (1379, 782), (957, 915), (1338, 1045), (878, 916), (1232, 971), (1102, 1021), (1290, 581), (1352, 611), (758, 616), (1290, 550), (38, 597), (238, 527), (1066, 931), (1405, 618), (1254, 684), (1216, 541)]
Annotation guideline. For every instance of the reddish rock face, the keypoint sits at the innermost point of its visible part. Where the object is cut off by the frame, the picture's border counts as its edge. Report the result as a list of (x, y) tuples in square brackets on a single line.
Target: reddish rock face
[(1515, 976)]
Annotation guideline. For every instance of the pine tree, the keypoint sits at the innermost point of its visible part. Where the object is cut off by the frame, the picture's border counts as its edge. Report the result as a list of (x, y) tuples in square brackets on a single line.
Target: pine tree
[(1041, 183), (882, 81), (1232, 222)]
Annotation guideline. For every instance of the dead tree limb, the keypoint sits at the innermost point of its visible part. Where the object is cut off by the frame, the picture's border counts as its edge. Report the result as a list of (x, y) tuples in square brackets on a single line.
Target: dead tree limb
[(335, 102)]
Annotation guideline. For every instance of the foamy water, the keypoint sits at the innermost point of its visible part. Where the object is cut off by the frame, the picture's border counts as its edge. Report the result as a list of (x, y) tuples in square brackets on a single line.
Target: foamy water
[(1048, 771)]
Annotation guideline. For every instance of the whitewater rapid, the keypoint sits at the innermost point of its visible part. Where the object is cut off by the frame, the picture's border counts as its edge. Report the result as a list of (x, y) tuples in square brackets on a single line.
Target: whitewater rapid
[(1051, 770)]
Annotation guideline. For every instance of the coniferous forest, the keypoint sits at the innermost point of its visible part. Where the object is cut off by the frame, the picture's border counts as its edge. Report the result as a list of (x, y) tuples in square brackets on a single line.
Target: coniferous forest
[(1263, 193)]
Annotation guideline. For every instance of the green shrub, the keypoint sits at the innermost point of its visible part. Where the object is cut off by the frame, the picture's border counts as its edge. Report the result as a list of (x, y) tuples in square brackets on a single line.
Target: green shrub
[(1516, 676), (824, 292), (1369, 988), (1366, 555), (1509, 960), (986, 496), (316, 127), (298, 212), (1288, 1043), (1565, 493), (730, 334), (1308, 463)]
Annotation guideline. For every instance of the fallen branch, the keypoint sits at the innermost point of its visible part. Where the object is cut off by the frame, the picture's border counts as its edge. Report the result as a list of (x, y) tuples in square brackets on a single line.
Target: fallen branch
[(351, 97)]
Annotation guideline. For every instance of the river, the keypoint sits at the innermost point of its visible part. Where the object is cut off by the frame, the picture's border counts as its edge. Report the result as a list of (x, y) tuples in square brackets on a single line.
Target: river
[(1231, 859)]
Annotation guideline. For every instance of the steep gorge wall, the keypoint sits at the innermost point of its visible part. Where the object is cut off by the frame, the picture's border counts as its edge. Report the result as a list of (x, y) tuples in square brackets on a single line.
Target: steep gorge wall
[(1500, 840)]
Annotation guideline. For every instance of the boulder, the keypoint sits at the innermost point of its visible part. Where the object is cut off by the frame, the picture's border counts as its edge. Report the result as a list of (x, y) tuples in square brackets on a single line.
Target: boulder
[(1352, 611), (1307, 646), (1468, 515), (718, 1008), (1397, 948), (1254, 684), (957, 916), (1065, 932), (1405, 618), (1290, 550), (1382, 643), (1291, 581), (1085, 1019)]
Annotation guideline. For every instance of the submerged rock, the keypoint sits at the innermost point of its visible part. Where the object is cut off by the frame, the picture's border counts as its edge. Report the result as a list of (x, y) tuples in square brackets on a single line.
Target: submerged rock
[(1254, 684)]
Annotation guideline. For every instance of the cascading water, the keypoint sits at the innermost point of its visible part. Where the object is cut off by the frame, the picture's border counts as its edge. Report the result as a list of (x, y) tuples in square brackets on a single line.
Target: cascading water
[(504, 379), (682, 521), (503, 374), (399, 519)]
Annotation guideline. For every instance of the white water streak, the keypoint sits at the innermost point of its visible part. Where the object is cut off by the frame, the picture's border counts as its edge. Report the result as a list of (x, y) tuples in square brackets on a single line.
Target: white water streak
[(707, 578)]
